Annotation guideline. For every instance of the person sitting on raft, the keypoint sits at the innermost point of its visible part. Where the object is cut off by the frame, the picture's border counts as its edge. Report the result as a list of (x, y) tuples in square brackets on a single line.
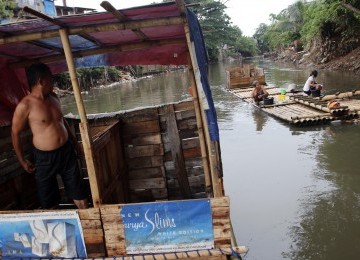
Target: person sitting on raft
[(312, 85), (259, 92)]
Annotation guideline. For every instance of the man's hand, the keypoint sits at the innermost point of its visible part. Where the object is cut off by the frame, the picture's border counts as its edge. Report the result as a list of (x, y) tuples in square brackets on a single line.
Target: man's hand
[(28, 166)]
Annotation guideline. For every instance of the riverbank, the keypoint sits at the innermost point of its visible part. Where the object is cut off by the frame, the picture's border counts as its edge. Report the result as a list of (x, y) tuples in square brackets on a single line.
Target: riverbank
[(310, 59)]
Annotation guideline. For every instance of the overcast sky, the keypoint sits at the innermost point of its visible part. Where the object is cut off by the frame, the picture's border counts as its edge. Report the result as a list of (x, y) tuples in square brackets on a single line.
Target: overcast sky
[(245, 14)]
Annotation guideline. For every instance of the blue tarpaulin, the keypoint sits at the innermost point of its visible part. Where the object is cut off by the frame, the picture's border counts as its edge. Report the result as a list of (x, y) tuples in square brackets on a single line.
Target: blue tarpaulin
[(202, 58)]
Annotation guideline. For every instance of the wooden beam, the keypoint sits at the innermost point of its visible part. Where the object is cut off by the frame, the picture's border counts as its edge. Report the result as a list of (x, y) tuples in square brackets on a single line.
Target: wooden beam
[(43, 16), (84, 127), (100, 50), (177, 152), (114, 26), (181, 6), (47, 46), (111, 9), (121, 17), (90, 38)]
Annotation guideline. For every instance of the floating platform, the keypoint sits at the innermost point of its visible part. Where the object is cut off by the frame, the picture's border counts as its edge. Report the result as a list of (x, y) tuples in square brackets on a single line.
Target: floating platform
[(301, 110)]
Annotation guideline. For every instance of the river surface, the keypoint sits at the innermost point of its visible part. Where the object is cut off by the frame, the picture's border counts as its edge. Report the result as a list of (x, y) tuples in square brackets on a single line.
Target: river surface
[(294, 191)]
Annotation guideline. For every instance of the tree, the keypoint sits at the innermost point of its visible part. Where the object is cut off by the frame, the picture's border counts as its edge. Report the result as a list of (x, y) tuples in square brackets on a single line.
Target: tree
[(7, 9), (216, 25)]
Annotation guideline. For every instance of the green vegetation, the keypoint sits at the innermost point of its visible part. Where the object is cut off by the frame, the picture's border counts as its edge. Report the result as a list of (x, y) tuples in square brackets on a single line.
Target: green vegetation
[(218, 29), (306, 20), (300, 24), (7, 9), (89, 77)]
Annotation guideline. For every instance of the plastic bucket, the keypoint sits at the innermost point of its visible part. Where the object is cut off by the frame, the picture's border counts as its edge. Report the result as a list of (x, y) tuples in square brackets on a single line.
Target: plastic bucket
[(268, 101), (315, 92), (283, 91)]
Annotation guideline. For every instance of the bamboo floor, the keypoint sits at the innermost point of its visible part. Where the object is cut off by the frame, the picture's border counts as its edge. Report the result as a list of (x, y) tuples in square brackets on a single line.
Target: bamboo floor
[(301, 110)]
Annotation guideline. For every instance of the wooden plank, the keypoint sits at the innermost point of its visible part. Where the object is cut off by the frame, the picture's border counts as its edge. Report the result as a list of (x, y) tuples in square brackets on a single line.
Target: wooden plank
[(220, 202), (189, 105), (190, 143), (187, 124), (101, 142), (154, 183), (146, 173), (147, 139), (141, 115), (144, 151), (141, 127), (176, 152), (192, 152), (185, 114), (145, 162)]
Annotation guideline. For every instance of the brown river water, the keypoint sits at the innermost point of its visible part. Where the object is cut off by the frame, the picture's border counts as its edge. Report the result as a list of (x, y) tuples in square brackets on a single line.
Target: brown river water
[(294, 191)]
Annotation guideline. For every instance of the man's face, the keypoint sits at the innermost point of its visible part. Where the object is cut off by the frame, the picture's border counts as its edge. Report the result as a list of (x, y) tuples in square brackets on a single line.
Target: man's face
[(47, 81)]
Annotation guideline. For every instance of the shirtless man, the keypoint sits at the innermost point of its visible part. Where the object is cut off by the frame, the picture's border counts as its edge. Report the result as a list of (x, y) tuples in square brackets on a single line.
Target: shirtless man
[(259, 92), (53, 151)]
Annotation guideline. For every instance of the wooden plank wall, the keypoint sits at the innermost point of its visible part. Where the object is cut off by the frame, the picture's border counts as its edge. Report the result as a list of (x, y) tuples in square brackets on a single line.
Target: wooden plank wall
[(184, 123), (109, 163), (115, 234), (144, 155), (161, 153), (243, 76), (105, 133), (17, 186)]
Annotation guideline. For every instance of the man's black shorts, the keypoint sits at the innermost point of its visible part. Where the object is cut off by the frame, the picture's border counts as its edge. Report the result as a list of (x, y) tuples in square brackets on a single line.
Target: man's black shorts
[(61, 161)]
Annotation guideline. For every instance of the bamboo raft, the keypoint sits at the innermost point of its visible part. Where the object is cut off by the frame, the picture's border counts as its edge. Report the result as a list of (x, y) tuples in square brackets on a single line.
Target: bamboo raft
[(302, 110)]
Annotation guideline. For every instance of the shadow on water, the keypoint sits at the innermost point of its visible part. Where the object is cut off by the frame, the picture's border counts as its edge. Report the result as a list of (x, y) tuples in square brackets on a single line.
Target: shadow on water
[(294, 191)]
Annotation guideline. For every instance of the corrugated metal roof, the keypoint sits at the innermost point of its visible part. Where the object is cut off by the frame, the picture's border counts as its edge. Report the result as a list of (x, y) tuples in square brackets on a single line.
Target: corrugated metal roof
[(144, 35), (156, 29)]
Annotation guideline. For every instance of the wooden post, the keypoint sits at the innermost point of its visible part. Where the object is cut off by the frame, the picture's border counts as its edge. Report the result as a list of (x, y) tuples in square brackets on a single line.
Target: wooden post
[(84, 127), (177, 152), (214, 159), (212, 147), (199, 123)]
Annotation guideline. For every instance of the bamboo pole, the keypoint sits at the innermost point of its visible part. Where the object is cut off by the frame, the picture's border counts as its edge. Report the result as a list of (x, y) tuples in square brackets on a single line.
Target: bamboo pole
[(200, 128), (341, 95), (84, 127)]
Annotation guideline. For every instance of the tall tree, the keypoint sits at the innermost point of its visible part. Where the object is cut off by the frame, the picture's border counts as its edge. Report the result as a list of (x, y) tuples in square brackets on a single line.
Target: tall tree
[(216, 25)]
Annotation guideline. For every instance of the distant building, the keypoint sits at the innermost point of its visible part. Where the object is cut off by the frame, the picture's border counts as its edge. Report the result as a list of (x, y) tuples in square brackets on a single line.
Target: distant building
[(62, 10), (47, 7)]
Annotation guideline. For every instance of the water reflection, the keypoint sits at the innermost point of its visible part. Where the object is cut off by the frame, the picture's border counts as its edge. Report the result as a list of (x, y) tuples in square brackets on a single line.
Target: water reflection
[(260, 119)]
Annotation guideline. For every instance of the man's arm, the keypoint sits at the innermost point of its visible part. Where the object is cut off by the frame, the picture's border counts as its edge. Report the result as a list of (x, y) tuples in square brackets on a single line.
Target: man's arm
[(19, 122)]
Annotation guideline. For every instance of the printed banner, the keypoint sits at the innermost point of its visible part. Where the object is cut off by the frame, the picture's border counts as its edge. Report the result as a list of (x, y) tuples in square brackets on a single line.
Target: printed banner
[(43, 234), (168, 226)]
